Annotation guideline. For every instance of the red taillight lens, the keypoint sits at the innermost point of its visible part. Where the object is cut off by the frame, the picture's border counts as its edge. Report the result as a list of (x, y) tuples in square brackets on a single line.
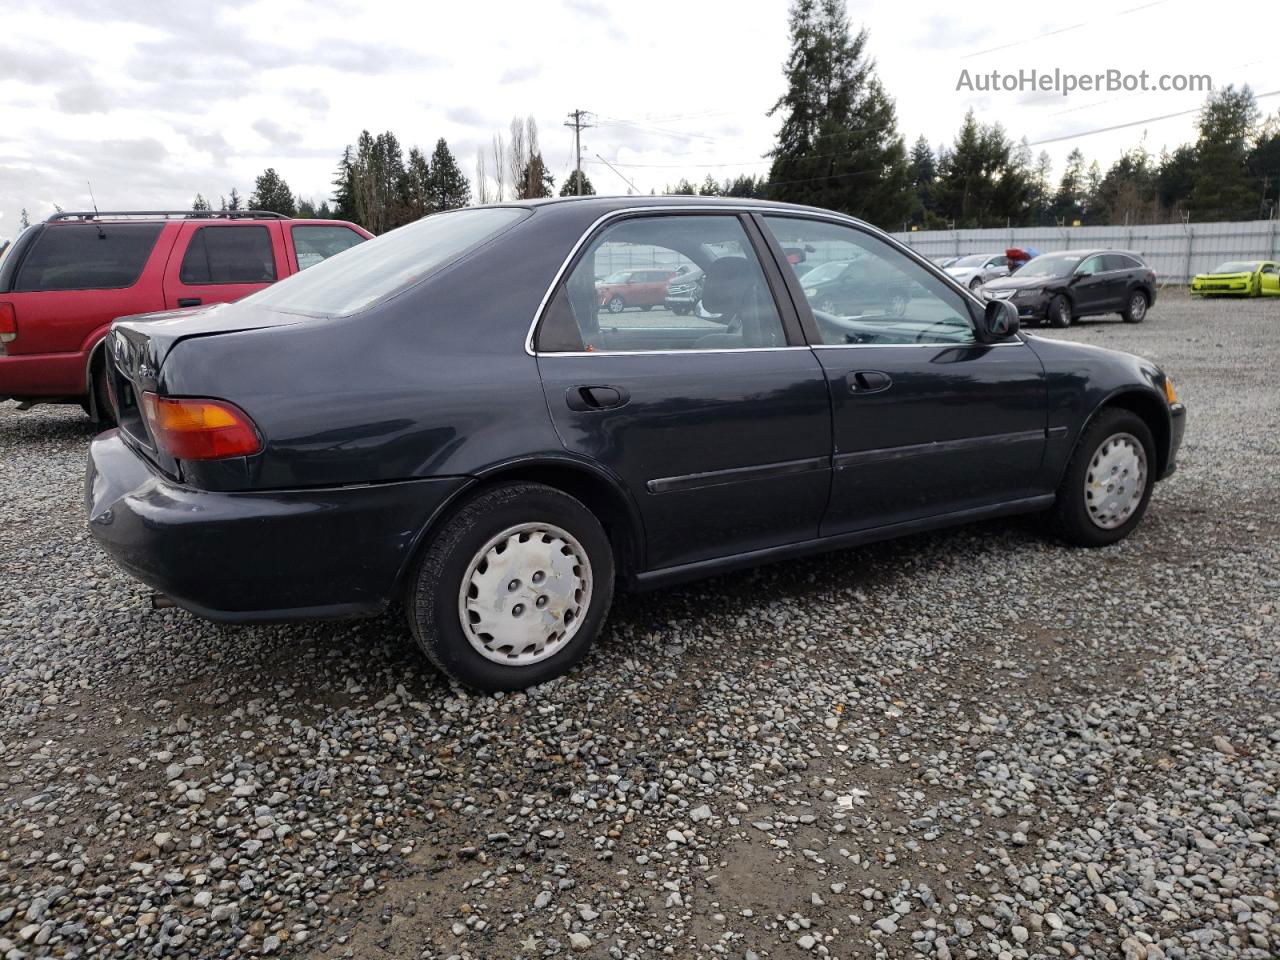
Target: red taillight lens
[(8, 322), (196, 429)]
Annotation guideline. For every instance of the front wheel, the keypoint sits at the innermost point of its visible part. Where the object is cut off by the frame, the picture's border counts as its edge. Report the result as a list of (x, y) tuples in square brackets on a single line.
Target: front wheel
[(513, 588), (616, 304), (1135, 310), (1108, 482), (1060, 312)]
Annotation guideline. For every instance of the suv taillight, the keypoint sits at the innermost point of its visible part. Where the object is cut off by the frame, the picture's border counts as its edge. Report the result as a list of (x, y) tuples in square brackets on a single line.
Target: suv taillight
[(193, 428), (8, 324)]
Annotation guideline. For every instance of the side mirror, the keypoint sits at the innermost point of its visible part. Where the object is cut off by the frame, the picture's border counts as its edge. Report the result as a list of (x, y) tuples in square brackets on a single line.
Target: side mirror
[(999, 321)]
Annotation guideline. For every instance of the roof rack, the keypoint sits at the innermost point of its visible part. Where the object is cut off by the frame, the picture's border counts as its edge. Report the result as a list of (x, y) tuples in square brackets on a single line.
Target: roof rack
[(166, 214)]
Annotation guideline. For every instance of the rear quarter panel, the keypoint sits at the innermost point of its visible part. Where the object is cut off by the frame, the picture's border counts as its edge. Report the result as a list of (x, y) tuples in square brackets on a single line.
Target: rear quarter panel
[(434, 382)]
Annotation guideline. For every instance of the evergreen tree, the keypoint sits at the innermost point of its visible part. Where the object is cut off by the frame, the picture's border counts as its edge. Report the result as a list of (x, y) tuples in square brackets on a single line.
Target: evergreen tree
[(323, 212), (271, 193), (234, 203), (306, 209), (448, 187), (1068, 202), (747, 186), (838, 145), (683, 189), (418, 178), (343, 189), (1264, 165), (570, 188), (199, 203), (535, 180), (1175, 178), (1093, 194), (922, 169), (1040, 191), (24, 221), (983, 181), (709, 187), (1128, 192), (1228, 127)]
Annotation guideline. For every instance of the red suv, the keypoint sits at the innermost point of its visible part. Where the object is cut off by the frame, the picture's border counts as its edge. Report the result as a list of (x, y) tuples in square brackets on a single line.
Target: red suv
[(63, 282), (645, 289)]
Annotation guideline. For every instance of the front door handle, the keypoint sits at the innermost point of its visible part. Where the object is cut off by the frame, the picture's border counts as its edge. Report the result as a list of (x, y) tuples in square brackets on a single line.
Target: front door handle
[(868, 381), (188, 301), (595, 397)]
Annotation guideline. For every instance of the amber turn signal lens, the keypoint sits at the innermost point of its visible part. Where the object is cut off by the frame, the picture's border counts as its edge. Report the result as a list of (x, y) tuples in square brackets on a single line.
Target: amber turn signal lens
[(1169, 393), (197, 429)]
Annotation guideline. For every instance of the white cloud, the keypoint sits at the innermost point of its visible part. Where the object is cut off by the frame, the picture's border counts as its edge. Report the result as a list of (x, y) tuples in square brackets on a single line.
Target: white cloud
[(155, 102)]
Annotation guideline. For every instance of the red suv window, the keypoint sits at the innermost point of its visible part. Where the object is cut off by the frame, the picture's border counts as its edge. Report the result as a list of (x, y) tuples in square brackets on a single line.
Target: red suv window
[(87, 256), (229, 255)]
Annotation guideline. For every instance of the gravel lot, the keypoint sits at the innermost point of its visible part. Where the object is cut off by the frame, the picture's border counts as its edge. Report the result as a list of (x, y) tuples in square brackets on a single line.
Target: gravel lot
[(971, 744)]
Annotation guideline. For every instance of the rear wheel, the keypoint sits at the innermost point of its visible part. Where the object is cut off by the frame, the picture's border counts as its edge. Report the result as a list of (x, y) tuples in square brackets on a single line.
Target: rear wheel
[(1135, 311), (616, 304), (1060, 312), (513, 588), (1108, 482)]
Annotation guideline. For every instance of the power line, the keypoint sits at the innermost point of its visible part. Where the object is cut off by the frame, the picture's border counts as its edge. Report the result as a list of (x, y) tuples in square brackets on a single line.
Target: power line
[(618, 172), (1061, 30), (1134, 123)]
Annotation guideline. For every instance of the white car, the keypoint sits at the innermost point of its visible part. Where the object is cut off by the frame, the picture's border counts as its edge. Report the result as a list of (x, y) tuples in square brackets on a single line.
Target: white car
[(976, 269)]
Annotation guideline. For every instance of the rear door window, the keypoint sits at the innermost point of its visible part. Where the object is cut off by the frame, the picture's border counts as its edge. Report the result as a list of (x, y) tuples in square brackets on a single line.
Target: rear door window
[(240, 254), (314, 243), (87, 256)]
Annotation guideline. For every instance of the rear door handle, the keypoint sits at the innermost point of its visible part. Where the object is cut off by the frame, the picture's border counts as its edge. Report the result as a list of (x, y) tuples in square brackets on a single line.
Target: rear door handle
[(868, 381), (188, 301), (587, 398)]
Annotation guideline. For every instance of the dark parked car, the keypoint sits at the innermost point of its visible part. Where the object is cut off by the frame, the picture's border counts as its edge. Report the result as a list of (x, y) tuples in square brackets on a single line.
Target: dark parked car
[(497, 458), (1063, 287)]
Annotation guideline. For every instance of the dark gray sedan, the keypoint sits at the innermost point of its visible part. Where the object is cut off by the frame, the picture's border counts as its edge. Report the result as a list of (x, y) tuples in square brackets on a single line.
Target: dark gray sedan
[(445, 417)]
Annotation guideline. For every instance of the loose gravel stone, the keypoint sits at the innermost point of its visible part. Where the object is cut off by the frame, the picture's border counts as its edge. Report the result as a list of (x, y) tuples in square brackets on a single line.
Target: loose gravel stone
[(977, 743)]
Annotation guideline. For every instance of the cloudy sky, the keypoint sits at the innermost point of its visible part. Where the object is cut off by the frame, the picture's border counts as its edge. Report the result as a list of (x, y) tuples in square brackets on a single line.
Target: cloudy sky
[(154, 101)]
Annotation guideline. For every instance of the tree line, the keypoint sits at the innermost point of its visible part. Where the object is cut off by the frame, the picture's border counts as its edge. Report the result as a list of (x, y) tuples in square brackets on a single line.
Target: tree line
[(839, 146)]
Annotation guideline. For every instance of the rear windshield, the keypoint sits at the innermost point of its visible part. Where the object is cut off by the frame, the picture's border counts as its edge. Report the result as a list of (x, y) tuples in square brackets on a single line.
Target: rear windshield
[(384, 266), (87, 256)]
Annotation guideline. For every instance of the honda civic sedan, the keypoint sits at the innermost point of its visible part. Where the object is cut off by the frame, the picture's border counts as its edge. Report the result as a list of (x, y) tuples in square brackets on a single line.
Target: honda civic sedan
[(392, 427)]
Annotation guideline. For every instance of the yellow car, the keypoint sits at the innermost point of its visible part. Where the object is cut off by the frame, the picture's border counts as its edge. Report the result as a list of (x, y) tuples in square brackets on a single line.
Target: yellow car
[(1240, 278)]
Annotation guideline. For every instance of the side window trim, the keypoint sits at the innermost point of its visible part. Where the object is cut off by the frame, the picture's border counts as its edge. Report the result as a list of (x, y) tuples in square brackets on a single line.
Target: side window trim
[(755, 236), (800, 302)]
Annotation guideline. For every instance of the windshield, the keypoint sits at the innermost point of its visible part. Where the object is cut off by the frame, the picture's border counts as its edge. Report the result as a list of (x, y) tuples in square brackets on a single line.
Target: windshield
[(976, 261), (1054, 265), (380, 268), (828, 271), (1235, 266)]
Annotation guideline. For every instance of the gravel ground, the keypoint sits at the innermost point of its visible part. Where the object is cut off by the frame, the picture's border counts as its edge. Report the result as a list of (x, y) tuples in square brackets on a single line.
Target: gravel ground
[(971, 744)]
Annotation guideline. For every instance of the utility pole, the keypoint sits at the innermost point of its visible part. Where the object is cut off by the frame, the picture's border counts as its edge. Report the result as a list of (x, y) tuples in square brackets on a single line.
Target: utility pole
[(578, 124)]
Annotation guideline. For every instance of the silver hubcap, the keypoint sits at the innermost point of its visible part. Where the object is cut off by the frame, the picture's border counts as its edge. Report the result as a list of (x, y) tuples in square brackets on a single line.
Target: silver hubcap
[(525, 594), (1116, 480), (1138, 307), (615, 305), (1064, 315)]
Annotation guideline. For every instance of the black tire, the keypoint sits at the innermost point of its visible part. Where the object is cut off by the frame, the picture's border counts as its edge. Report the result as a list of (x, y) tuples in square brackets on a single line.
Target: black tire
[(617, 305), (681, 311), (1059, 312), (101, 413), (1135, 312), (432, 593), (647, 307), (1070, 515)]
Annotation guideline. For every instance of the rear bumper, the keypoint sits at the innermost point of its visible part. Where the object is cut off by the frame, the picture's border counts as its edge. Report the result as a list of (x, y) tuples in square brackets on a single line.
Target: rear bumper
[(258, 556), (41, 375)]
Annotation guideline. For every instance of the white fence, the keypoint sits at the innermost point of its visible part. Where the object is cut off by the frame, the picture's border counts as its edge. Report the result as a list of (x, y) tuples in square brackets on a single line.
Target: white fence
[(1175, 251)]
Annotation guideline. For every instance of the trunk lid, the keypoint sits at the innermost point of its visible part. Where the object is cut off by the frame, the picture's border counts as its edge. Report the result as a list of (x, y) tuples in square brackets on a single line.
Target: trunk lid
[(136, 349)]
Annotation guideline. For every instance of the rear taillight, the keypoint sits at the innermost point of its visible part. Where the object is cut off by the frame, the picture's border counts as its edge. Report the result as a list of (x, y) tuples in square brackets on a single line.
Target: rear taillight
[(8, 324), (191, 428)]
